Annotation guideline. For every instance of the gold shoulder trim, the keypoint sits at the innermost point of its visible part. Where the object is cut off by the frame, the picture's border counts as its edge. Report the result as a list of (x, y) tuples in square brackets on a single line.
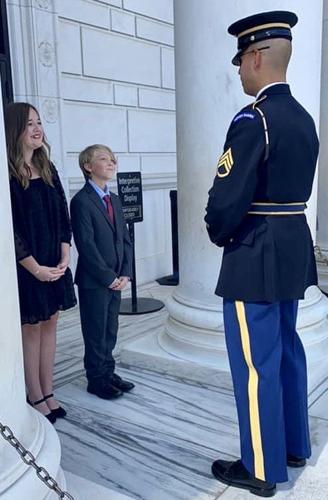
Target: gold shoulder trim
[(258, 101), (265, 125)]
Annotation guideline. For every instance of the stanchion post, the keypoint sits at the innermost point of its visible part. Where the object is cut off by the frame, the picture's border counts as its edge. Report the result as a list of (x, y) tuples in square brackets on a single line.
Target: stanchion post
[(173, 279), (134, 305), (129, 188), (134, 275)]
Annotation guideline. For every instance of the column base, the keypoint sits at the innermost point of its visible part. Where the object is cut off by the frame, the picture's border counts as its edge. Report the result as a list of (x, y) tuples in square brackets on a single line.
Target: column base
[(148, 353), (312, 326), (322, 267), (198, 353), (22, 481), (190, 345)]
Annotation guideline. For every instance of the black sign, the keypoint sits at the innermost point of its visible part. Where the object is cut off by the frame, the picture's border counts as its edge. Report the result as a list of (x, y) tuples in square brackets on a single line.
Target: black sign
[(130, 192)]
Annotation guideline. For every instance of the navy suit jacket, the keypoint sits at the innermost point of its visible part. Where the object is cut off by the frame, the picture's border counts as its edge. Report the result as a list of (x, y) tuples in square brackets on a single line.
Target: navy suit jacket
[(105, 250)]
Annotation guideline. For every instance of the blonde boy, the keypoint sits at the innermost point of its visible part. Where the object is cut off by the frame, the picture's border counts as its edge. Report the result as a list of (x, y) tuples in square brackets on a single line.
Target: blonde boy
[(103, 268)]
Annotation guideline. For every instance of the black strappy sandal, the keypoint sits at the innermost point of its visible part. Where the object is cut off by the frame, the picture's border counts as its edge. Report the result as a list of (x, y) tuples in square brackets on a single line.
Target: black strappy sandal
[(50, 416), (57, 412)]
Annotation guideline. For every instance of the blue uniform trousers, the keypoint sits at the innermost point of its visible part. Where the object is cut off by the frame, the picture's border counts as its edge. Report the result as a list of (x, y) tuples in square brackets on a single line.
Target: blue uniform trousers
[(268, 367)]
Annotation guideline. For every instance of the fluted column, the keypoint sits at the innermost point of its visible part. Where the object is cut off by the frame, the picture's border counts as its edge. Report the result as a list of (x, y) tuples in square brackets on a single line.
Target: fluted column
[(208, 94), (322, 234), (17, 481), (204, 83)]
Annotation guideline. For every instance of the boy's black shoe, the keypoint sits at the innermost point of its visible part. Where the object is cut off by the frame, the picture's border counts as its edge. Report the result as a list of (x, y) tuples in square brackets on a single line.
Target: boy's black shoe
[(104, 390), (295, 461), (121, 384), (234, 474)]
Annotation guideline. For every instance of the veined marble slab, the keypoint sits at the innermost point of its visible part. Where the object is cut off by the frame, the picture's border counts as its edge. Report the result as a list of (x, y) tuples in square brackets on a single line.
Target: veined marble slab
[(158, 442), (82, 489), (67, 369), (155, 443)]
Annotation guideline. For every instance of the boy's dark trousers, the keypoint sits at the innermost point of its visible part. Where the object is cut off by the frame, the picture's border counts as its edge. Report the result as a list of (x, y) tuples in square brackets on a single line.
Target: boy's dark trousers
[(99, 309)]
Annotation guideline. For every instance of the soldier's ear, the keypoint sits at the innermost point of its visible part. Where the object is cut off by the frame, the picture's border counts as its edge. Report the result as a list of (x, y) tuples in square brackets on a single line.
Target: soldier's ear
[(258, 59)]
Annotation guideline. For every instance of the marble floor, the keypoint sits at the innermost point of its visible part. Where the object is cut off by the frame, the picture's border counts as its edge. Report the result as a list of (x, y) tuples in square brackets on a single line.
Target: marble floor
[(157, 442)]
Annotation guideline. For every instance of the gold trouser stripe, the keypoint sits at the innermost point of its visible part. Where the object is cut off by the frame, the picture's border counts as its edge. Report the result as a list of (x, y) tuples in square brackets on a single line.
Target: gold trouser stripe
[(253, 379), (263, 27)]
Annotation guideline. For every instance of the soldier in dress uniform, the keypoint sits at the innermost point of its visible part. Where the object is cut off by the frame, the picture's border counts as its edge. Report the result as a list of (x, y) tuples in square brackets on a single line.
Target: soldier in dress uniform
[(256, 212)]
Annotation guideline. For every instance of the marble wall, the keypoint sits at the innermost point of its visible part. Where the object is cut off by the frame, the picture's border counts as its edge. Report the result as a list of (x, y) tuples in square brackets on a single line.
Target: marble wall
[(103, 72)]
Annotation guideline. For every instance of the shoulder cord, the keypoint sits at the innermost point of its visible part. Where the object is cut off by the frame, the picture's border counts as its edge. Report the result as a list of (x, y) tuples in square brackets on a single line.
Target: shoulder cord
[(265, 126)]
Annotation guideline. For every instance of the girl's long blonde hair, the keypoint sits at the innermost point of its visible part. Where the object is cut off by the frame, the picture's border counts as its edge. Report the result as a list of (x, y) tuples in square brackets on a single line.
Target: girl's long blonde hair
[(16, 119)]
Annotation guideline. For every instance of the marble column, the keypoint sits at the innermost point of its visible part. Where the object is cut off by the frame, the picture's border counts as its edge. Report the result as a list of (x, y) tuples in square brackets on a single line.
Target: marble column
[(322, 233), (17, 481), (208, 94)]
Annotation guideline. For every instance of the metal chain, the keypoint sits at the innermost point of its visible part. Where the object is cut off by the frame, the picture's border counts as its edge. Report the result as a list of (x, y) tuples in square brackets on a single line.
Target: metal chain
[(29, 459), (320, 257)]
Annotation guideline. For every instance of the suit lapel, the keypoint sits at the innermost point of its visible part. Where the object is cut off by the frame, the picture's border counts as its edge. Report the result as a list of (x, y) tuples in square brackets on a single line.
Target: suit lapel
[(95, 198)]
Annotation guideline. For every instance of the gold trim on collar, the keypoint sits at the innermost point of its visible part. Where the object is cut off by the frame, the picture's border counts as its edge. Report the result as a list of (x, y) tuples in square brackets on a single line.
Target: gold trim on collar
[(263, 27), (255, 103)]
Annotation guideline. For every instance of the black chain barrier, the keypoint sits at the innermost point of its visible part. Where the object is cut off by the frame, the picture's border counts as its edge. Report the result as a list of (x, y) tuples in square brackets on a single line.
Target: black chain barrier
[(29, 459)]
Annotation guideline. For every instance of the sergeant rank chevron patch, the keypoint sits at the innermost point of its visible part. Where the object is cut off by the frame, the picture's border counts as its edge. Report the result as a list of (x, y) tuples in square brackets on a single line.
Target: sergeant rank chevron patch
[(225, 164)]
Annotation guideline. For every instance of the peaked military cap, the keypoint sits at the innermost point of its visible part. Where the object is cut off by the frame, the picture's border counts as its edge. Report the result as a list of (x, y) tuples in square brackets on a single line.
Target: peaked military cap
[(273, 24)]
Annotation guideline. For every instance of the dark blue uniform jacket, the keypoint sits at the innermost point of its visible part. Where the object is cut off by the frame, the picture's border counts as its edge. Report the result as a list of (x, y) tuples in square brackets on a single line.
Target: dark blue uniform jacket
[(266, 258)]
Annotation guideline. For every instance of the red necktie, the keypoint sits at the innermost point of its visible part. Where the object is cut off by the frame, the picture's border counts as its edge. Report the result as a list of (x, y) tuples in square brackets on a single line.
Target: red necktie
[(109, 206)]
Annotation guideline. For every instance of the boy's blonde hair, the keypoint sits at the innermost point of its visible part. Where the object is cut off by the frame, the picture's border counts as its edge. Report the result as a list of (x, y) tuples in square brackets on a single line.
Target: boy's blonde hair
[(86, 156)]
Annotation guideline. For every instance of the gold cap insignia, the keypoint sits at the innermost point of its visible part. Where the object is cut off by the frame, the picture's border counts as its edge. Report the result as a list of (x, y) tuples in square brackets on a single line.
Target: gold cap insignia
[(225, 163)]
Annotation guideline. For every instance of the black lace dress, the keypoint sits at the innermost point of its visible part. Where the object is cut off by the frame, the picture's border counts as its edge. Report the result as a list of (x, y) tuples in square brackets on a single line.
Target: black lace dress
[(41, 224)]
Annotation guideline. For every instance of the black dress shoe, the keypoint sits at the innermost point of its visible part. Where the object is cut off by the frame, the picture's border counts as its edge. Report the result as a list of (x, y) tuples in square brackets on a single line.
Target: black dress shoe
[(295, 461), (51, 417), (236, 475), (104, 390), (121, 384), (59, 412)]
